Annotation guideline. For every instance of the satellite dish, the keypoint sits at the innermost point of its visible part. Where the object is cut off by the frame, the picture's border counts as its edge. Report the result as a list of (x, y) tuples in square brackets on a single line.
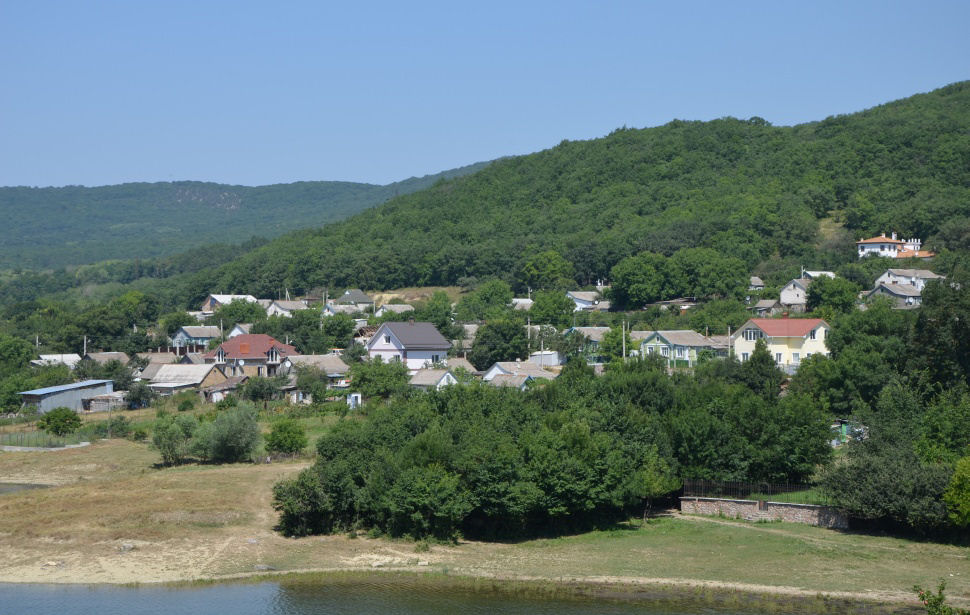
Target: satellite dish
[(242, 362)]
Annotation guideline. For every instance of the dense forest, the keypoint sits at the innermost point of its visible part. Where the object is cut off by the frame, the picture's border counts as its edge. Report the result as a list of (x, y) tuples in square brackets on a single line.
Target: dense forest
[(73, 225)]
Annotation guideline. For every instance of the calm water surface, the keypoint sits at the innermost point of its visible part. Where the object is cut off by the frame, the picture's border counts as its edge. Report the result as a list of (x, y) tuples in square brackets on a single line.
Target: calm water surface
[(295, 599), (12, 487)]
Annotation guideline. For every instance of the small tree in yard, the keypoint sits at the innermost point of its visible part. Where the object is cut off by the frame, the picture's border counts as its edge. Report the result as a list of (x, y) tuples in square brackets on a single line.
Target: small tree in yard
[(287, 437), (60, 421), (234, 436), (261, 389), (957, 494), (172, 436), (936, 603)]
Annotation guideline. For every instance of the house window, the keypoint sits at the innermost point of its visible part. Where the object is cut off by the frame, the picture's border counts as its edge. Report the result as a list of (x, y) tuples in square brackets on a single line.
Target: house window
[(259, 371), (435, 358), (777, 357), (795, 357), (396, 358), (680, 353), (387, 339), (811, 334), (665, 351), (744, 356), (752, 334)]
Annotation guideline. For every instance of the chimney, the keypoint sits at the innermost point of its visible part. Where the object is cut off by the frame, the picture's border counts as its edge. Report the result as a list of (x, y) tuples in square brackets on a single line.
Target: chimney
[(894, 234), (882, 234)]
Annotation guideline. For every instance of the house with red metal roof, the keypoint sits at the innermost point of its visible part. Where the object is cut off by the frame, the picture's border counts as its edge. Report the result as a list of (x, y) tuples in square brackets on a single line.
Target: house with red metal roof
[(789, 340), (253, 354)]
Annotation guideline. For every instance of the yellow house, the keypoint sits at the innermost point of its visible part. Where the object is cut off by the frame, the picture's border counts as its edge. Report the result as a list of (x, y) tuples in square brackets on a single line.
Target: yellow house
[(789, 340)]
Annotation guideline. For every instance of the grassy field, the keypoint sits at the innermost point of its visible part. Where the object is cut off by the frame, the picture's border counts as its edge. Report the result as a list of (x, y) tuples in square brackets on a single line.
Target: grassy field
[(114, 515)]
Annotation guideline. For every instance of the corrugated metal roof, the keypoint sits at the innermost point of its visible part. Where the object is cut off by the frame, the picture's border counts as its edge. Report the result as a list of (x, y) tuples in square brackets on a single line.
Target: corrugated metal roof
[(329, 363), (182, 374), (427, 377), (64, 387)]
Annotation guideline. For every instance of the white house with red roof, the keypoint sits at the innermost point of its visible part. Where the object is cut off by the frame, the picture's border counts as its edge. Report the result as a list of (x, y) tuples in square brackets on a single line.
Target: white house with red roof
[(252, 354), (891, 247), (790, 340)]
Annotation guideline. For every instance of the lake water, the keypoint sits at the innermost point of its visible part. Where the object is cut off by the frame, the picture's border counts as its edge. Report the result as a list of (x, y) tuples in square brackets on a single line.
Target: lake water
[(283, 598)]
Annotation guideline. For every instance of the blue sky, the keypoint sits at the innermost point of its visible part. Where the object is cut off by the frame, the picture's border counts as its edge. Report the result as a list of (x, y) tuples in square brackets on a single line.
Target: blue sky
[(253, 93)]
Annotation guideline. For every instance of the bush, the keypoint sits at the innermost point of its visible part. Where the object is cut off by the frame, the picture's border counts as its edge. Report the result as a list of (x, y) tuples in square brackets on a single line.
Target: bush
[(235, 436), (116, 427), (140, 395), (229, 401), (139, 434), (287, 437), (60, 421), (186, 404), (957, 494), (173, 437)]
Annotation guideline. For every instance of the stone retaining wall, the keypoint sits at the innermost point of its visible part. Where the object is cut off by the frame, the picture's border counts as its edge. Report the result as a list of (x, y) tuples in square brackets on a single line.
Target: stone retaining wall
[(752, 510)]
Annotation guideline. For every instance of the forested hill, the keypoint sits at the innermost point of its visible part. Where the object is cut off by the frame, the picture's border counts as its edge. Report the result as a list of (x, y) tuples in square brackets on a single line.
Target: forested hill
[(54, 227), (777, 197)]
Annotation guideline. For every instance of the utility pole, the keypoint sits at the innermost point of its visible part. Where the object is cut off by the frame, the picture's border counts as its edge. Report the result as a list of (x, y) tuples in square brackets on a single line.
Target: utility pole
[(623, 337), (85, 345)]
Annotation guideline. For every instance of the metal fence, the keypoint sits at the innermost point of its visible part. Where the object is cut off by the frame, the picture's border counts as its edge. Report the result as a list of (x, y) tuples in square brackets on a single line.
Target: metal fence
[(802, 493)]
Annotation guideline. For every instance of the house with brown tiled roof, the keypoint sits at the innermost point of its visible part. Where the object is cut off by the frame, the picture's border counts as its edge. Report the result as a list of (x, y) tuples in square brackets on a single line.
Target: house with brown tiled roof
[(891, 247), (254, 354)]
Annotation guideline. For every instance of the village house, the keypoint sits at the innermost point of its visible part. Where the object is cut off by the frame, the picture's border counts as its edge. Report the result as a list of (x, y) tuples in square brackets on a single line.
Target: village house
[(416, 344), (243, 328), (170, 379), (355, 297), (789, 340), (46, 360), (255, 354), (513, 381), (755, 283), (902, 296), (393, 308), (214, 302), (891, 247), (584, 300), (593, 335), (427, 379), (913, 277), (522, 304), (681, 348), (336, 370), (218, 392), (517, 368), (285, 308), (199, 335), (767, 307), (102, 358), (332, 309), (794, 295), (455, 363)]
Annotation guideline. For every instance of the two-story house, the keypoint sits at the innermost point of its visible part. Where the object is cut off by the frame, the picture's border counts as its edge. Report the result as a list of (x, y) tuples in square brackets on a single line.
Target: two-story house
[(416, 344), (254, 354), (794, 295), (913, 277), (891, 247), (789, 340), (199, 335), (681, 347), (285, 308), (214, 302)]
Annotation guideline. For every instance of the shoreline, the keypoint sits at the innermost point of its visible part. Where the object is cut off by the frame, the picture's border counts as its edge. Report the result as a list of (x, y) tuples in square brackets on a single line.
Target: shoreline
[(679, 591)]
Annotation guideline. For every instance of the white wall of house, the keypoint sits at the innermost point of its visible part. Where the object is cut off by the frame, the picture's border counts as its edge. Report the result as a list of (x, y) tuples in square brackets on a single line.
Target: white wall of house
[(389, 348), (891, 278), (793, 294)]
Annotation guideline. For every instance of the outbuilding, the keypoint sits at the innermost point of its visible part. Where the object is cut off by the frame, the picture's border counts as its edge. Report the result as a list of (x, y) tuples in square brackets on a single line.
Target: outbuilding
[(73, 396)]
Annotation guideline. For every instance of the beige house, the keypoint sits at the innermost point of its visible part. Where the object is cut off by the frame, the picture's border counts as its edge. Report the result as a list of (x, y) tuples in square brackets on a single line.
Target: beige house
[(789, 340)]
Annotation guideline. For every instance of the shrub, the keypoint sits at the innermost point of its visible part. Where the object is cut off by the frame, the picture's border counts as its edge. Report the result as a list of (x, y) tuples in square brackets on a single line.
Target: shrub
[(173, 437), (116, 427), (235, 436), (186, 404), (140, 395), (60, 421), (287, 437), (229, 401), (957, 494), (139, 434)]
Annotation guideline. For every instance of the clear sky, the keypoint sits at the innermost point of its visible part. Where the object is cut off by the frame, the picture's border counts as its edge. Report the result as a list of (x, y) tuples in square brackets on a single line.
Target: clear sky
[(253, 93)]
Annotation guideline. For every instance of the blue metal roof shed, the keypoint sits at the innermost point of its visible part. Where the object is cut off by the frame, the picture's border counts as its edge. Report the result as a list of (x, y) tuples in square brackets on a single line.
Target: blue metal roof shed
[(71, 395)]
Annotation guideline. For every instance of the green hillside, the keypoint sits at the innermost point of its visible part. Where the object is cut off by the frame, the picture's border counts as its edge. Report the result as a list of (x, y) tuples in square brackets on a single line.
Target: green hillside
[(742, 187), (777, 198), (54, 227)]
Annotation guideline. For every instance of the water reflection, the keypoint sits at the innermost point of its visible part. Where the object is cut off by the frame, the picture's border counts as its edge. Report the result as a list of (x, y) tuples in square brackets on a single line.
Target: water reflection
[(366, 597)]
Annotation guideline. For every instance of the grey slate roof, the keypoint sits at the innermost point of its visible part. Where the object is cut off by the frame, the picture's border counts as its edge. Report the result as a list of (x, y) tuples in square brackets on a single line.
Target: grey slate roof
[(201, 331), (765, 304), (397, 308), (685, 337), (924, 274), (416, 335), (328, 363), (510, 380), (182, 374), (901, 290), (351, 296), (594, 334), (290, 306), (104, 357), (461, 362), (427, 377), (526, 368)]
